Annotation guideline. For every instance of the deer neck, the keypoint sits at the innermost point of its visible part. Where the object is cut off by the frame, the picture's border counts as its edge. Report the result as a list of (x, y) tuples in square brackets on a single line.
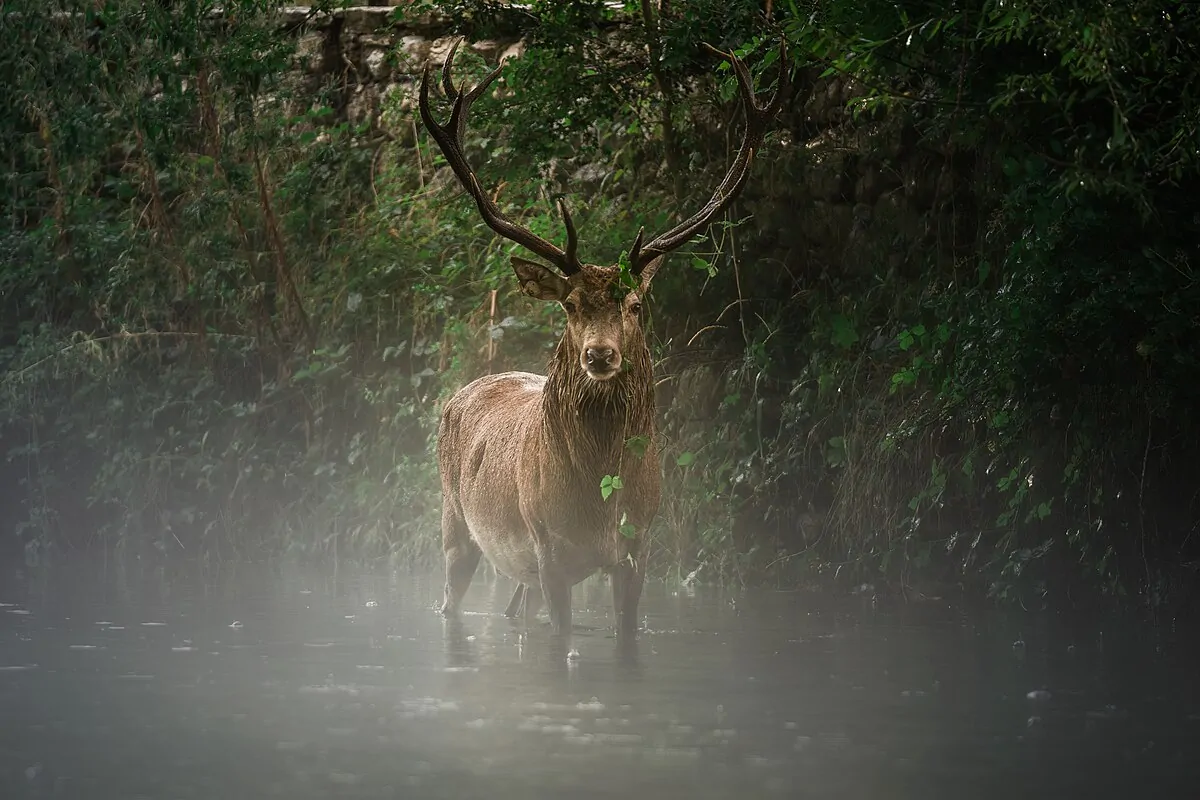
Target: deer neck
[(588, 422)]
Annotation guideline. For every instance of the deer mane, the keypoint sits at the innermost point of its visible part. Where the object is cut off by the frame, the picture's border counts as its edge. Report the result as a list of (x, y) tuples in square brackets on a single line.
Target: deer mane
[(589, 421)]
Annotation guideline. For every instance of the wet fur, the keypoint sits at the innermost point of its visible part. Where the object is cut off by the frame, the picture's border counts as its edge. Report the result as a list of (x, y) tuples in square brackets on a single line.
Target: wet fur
[(521, 457)]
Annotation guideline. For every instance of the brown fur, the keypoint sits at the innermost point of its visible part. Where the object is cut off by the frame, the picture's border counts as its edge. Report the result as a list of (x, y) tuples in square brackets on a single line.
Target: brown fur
[(521, 458)]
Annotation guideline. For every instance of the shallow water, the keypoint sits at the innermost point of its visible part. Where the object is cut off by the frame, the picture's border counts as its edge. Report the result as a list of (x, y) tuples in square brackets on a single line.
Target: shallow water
[(264, 683)]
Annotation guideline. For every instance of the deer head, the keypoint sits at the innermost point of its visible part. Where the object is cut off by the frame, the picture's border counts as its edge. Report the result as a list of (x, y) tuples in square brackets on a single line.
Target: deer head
[(603, 303), (603, 321)]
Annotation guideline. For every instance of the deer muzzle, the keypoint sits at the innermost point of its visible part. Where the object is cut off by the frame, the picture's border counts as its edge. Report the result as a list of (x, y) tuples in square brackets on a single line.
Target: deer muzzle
[(601, 362)]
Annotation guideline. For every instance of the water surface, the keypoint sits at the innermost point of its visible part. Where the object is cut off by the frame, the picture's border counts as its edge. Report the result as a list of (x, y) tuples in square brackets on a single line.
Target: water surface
[(260, 682)]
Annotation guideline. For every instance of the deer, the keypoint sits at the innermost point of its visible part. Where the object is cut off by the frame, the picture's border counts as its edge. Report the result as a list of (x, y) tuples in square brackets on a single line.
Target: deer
[(521, 456)]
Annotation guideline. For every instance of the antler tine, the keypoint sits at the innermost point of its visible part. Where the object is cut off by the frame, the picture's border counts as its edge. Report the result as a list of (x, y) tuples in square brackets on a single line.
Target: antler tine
[(462, 102), (449, 138), (635, 252), (572, 240), (448, 82), (758, 117)]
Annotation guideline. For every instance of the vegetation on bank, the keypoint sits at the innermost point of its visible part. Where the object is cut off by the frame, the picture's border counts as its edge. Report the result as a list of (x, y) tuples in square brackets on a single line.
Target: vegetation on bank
[(947, 333)]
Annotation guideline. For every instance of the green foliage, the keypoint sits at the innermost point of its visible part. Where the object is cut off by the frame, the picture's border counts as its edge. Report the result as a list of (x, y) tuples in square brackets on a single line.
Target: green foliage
[(947, 331), (1051, 345)]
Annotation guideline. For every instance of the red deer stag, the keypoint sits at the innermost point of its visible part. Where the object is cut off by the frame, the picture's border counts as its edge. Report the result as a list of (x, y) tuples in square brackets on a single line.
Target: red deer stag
[(521, 456)]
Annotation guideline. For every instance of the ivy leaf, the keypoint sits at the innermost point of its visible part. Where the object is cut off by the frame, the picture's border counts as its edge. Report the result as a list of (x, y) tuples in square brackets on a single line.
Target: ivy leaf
[(627, 528), (638, 444), (609, 484), (626, 280)]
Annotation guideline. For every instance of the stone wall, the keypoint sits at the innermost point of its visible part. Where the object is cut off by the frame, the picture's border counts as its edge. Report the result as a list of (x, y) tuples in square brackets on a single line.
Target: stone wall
[(370, 54)]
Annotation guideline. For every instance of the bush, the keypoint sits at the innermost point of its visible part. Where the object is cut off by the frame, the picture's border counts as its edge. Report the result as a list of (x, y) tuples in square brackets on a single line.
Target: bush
[(944, 336)]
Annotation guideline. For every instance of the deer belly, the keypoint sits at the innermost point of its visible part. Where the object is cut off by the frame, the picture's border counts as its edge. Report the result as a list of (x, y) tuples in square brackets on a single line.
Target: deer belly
[(578, 561), (507, 549), (511, 550)]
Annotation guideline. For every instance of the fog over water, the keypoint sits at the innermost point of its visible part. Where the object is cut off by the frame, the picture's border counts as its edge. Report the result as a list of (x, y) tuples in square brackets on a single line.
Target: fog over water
[(265, 682)]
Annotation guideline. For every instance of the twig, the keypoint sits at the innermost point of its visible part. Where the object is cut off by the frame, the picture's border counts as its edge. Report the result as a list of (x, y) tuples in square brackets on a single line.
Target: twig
[(491, 328), (737, 279), (283, 272)]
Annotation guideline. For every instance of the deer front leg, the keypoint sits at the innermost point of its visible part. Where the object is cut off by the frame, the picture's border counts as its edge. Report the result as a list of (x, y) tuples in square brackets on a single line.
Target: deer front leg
[(556, 591), (533, 603), (558, 599), (462, 557), (627, 581)]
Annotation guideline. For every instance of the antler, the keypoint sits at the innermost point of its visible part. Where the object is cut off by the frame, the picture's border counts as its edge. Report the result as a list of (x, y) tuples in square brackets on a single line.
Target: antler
[(757, 119), (449, 138)]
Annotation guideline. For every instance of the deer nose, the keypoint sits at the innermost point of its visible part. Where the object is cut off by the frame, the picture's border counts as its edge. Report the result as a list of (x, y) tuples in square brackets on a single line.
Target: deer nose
[(599, 355)]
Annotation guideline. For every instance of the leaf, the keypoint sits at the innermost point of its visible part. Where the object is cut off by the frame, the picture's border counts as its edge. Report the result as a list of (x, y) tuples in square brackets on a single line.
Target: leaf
[(609, 484), (843, 334), (905, 377), (627, 528), (685, 459), (638, 444)]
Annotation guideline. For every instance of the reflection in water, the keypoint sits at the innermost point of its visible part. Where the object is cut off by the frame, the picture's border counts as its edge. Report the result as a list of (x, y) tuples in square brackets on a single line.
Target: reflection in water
[(275, 682)]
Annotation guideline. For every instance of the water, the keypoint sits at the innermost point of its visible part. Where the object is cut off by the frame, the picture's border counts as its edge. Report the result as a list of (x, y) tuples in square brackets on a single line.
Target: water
[(284, 683)]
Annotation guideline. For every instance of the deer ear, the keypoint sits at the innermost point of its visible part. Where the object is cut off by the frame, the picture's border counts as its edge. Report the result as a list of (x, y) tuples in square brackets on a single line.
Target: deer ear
[(540, 282)]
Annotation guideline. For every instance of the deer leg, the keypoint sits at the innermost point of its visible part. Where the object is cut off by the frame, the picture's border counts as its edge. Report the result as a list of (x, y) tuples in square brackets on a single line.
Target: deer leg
[(517, 603), (462, 557), (557, 593), (627, 581), (533, 603), (558, 599), (526, 602)]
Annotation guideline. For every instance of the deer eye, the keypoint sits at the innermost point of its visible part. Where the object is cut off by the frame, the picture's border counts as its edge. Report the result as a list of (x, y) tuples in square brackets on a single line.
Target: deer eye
[(635, 308)]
